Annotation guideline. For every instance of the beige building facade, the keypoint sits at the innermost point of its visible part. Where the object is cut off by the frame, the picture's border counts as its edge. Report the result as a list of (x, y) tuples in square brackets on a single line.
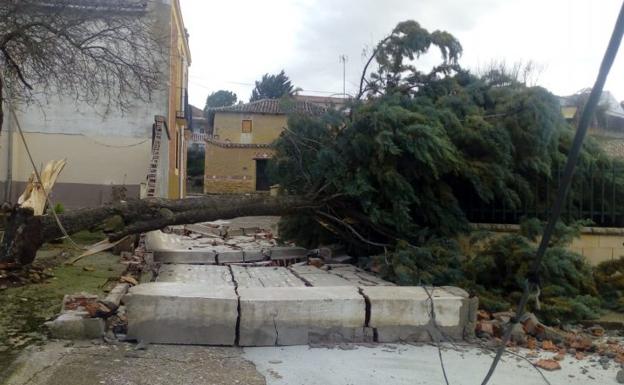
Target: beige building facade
[(237, 154), (108, 151)]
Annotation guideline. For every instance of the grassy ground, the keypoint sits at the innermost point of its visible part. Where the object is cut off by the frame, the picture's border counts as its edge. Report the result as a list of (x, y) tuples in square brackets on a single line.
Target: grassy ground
[(24, 309)]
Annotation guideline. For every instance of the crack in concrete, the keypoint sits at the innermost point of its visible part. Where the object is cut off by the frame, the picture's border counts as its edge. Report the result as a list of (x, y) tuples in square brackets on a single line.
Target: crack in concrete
[(367, 307), (38, 372), (305, 281), (276, 332), (238, 308)]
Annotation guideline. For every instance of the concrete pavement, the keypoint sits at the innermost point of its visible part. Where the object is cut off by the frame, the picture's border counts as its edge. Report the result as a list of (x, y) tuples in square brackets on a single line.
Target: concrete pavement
[(86, 363)]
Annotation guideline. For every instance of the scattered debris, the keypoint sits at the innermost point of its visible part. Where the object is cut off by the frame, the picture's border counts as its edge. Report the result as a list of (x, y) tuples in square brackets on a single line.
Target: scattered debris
[(549, 365), (34, 195), (129, 279)]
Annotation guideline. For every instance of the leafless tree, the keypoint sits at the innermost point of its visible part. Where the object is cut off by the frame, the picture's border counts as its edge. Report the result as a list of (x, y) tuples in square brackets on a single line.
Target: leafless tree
[(502, 73), (104, 52)]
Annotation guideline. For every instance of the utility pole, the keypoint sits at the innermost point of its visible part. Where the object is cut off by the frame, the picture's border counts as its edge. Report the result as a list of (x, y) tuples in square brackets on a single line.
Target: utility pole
[(343, 59)]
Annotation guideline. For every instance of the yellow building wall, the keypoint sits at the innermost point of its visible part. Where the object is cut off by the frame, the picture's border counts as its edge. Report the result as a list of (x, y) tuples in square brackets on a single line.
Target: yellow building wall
[(596, 244), (232, 170), (180, 59), (265, 127)]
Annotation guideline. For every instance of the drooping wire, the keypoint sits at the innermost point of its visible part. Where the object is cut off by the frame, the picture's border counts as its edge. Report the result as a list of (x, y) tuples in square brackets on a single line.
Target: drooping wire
[(436, 339), (532, 281)]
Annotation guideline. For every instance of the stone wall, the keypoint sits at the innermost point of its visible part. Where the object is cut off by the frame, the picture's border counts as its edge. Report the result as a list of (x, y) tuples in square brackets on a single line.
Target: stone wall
[(232, 169), (596, 244)]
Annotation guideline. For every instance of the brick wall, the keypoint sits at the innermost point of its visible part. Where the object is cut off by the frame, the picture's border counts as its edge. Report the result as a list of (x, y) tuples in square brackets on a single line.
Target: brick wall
[(232, 169)]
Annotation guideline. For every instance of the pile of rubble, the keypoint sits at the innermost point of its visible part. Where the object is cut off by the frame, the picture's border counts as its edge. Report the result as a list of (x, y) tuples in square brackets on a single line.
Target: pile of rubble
[(86, 316), (594, 344)]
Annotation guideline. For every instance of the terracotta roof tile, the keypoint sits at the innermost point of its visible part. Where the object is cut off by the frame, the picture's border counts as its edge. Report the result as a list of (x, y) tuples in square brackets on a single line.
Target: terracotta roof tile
[(274, 106)]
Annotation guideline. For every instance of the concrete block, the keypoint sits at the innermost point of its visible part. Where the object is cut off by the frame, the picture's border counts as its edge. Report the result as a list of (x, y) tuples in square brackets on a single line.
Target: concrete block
[(306, 269), (314, 276), (204, 230), (299, 315), (356, 275), (75, 325), (403, 313), (185, 256), (209, 275), (114, 297), (234, 256), (288, 252), (265, 277), (254, 255), (178, 313)]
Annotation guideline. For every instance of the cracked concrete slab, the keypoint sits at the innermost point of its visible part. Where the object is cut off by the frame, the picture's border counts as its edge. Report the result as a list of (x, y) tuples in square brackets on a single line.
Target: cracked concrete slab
[(182, 313), (300, 315), (205, 274), (402, 313), (265, 277), (403, 364)]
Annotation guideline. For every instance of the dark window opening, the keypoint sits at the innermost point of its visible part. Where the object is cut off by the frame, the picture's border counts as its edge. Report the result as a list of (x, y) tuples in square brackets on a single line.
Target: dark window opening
[(262, 175)]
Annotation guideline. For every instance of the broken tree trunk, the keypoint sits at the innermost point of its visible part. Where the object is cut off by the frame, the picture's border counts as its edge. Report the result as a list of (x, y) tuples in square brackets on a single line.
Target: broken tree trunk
[(25, 232)]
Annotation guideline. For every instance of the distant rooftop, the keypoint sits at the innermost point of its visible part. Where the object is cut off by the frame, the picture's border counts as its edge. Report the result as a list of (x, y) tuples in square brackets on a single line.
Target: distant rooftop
[(613, 107), (274, 106), (196, 112), (322, 100), (106, 5)]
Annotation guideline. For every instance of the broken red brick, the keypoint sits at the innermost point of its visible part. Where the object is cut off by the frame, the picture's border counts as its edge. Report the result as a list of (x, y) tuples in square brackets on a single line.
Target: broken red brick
[(558, 357), (579, 355), (548, 345), (581, 343), (483, 315), (548, 364), (76, 301)]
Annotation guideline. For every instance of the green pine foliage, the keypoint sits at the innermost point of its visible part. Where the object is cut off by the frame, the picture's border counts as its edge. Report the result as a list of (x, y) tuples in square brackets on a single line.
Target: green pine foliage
[(394, 174)]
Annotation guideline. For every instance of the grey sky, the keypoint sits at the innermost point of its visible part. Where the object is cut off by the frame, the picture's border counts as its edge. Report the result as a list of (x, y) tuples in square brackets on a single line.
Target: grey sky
[(234, 42)]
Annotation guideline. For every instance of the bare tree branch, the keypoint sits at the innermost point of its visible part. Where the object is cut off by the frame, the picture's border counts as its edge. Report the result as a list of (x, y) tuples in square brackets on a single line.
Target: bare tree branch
[(106, 53)]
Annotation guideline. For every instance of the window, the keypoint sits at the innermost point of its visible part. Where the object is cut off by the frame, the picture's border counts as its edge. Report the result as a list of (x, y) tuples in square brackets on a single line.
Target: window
[(177, 150), (246, 126)]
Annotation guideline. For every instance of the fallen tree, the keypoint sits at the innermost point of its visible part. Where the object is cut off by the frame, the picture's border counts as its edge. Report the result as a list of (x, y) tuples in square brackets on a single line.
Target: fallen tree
[(25, 233), (395, 176)]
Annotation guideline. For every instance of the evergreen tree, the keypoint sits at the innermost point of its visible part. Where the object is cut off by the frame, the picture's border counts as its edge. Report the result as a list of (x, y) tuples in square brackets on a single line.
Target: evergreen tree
[(221, 98), (397, 172), (273, 87)]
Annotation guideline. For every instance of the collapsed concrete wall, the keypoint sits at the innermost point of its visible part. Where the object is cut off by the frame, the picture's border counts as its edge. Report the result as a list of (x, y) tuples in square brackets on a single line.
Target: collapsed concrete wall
[(270, 306)]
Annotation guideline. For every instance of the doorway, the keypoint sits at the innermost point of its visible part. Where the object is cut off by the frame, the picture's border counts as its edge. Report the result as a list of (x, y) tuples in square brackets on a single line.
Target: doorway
[(262, 175)]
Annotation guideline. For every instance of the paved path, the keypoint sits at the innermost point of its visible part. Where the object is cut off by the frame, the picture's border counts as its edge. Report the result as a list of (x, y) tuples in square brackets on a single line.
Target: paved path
[(397, 364), (85, 363)]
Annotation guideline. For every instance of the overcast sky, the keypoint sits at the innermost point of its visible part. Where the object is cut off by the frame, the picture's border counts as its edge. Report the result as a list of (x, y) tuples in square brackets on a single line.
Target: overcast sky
[(234, 42)]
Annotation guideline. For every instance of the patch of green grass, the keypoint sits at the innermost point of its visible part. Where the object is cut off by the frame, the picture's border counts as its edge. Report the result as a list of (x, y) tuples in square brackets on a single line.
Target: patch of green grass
[(88, 237), (26, 308)]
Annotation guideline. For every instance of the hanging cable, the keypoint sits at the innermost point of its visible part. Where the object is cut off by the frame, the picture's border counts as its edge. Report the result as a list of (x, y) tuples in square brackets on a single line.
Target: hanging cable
[(532, 282)]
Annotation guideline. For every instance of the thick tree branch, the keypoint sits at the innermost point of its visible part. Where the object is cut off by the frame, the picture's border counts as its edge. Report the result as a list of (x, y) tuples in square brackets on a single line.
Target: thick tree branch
[(25, 233)]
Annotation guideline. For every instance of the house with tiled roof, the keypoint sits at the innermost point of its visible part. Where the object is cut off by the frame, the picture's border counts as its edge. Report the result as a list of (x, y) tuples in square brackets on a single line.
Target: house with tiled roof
[(238, 151), (607, 127)]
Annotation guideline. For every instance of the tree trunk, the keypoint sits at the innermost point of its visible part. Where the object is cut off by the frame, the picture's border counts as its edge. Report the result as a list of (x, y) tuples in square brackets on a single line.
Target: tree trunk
[(25, 233)]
